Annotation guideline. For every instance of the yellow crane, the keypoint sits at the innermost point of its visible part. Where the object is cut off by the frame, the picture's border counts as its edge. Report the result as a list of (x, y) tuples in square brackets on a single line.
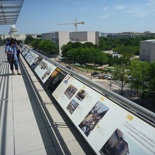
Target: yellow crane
[(75, 24)]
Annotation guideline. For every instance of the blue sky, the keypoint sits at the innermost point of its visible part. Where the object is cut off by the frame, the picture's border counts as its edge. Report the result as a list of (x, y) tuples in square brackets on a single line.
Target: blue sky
[(109, 16)]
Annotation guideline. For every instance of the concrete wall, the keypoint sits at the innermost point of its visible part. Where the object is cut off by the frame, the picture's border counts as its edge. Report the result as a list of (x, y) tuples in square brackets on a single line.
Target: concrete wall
[(62, 37), (59, 38), (147, 50), (152, 52), (78, 36)]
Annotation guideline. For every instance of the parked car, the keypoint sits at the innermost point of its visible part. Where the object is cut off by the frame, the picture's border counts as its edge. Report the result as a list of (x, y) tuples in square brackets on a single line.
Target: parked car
[(69, 67), (110, 77), (105, 76), (95, 74)]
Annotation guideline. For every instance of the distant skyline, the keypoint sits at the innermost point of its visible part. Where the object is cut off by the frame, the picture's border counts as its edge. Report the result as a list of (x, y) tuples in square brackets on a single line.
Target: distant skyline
[(108, 16)]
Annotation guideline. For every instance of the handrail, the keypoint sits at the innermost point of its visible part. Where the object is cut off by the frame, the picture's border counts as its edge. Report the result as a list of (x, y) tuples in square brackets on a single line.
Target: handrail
[(140, 111)]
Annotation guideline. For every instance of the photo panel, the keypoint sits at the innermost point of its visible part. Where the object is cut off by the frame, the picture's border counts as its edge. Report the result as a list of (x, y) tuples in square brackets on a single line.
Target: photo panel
[(119, 143), (72, 106), (70, 91), (30, 57), (55, 79), (81, 94), (36, 61), (44, 70), (93, 118), (25, 52)]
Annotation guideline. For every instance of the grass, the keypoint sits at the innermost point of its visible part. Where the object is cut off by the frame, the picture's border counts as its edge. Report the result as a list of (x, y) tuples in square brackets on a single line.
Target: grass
[(92, 69)]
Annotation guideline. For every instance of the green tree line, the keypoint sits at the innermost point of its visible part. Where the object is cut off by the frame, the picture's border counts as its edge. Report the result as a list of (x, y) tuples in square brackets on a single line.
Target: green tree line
[(44, 46), (119, 44), (142, 74)]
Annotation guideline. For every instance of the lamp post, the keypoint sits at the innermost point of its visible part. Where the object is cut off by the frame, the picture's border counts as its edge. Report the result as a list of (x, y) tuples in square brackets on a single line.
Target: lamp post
[(110, 85)]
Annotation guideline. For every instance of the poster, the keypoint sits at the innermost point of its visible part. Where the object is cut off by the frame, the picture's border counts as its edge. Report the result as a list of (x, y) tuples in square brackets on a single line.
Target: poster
[(36, 60), (107, 127), (30, 57), (25, 52), (22, 49), (44, 70), (55, 79)]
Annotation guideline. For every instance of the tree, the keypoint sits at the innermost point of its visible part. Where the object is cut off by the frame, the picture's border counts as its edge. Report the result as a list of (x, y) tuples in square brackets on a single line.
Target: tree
[(139, 73), (29, 39), (35, 43), (48, 47), (120, 73), (65, 49), (151, 86)]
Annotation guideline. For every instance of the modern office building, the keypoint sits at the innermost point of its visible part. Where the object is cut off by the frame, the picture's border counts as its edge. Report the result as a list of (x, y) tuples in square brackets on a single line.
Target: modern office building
[(61, 38), (147, 50)]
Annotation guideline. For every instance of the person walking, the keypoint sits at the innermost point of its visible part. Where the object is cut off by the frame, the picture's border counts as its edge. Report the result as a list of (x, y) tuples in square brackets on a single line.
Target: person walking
[(11, 51)]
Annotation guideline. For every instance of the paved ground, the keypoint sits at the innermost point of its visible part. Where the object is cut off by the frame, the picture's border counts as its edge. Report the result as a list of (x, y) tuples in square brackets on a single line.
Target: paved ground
[(30, 123)]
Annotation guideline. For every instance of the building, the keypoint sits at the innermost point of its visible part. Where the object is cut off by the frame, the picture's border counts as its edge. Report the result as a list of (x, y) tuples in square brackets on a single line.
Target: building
[(33, 35), (85, 36), (126, 34), (61, 38), (116, 145), (147, 50), (13, 34)]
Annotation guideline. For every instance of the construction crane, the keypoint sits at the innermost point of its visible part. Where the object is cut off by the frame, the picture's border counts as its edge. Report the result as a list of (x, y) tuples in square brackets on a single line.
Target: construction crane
[(75, 24)]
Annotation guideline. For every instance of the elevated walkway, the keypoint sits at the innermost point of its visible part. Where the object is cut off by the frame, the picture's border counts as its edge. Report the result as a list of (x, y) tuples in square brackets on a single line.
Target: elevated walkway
[(30, 124)]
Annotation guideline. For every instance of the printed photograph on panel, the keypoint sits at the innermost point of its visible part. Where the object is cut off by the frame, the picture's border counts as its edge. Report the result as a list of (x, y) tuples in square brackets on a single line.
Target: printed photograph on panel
[(66, 79), (72, 106), (93, 117), (22, 49), (81, 94), (36, 61), (25, 52), (116, 145), (47, 73), (120, 143), (70, 91), (55, 79), (44, 70)]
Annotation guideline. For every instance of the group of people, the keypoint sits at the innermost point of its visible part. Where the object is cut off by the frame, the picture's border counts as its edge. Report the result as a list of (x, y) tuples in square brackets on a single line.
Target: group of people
[(12, 50)]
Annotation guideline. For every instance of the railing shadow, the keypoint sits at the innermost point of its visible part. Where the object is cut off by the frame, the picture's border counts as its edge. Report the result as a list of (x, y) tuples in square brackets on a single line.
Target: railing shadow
[(36, 106), (4, 89), (52, 126)]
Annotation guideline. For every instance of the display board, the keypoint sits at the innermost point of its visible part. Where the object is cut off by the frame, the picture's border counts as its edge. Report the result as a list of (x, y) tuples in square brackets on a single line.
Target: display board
[(107, 127), (30, 57), (44, 69), (25, 52), (55, 79)]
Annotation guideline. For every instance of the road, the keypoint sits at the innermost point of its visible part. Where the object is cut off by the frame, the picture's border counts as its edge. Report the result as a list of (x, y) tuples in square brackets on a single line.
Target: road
[(109, 84)]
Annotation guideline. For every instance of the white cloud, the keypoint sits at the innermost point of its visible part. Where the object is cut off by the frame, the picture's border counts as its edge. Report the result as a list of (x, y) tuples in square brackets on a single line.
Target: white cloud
[(151, 3), (143, 10), (106, 8), (103, 17), (120, 7), (84, 8)]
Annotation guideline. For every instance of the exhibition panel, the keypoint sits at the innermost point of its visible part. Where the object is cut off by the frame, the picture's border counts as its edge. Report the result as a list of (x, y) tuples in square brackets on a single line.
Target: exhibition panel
[(108, 127)]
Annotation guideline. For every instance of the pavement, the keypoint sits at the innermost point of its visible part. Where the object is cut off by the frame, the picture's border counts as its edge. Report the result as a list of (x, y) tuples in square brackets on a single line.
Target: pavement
[(30, 122)]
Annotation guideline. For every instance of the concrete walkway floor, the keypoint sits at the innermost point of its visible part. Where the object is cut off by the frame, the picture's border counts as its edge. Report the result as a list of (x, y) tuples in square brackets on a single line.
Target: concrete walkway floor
[(30, 124)]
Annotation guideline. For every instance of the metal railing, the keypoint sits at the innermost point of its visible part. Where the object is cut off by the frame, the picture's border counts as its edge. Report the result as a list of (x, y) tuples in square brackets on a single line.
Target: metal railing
[(134, 108)]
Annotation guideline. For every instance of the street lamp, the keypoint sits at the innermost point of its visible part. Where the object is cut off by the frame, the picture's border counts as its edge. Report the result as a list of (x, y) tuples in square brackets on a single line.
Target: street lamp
[(110, 85)]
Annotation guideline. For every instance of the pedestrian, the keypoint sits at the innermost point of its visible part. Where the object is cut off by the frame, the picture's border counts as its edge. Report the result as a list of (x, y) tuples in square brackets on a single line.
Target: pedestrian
[(11, 51), (18, 50)]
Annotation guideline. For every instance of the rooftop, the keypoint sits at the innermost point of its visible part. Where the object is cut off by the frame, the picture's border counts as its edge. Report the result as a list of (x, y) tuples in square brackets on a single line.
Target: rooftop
[(9, 11)]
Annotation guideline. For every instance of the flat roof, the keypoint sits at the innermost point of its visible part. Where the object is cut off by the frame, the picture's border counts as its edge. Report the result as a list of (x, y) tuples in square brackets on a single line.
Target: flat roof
[(151, 41), (9, 11)]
